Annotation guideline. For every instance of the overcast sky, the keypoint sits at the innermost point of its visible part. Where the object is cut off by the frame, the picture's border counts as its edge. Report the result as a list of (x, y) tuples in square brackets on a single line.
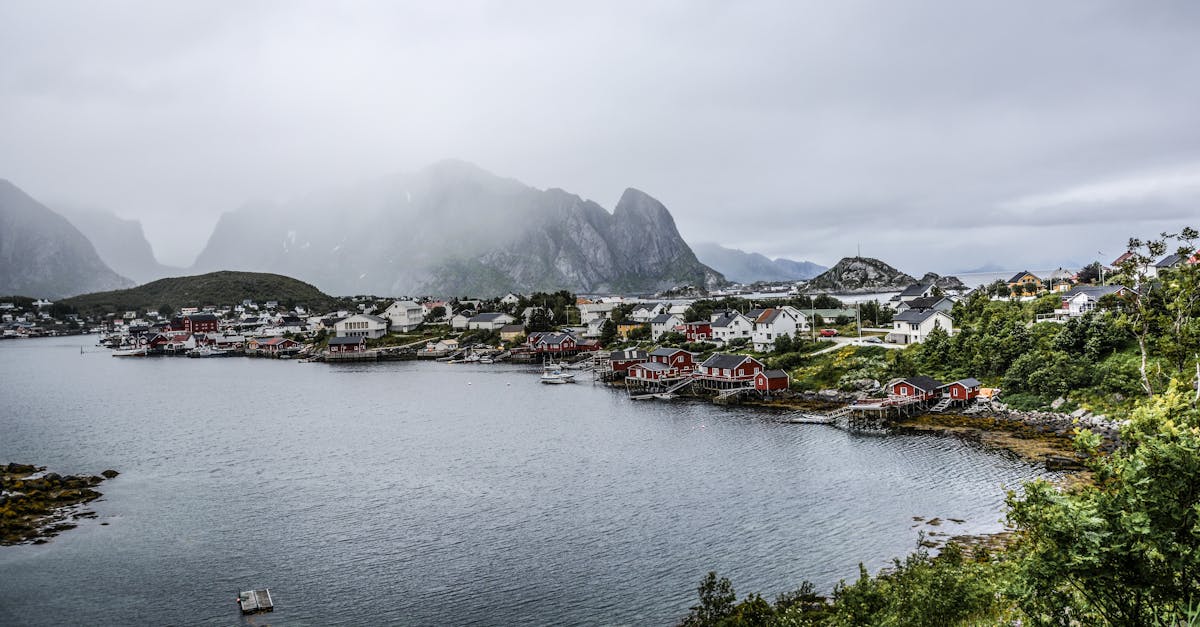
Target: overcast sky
[(938, 135)]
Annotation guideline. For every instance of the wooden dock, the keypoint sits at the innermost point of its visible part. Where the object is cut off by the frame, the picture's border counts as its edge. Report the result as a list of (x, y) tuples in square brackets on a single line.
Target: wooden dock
[(252, 601)]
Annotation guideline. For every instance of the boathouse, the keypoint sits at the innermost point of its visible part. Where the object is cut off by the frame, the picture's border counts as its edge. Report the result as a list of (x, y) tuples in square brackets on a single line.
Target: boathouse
[(620, 361), (347, 344), (962, 391), (772, 381), (674, 357), (919, 388), (724, 371)]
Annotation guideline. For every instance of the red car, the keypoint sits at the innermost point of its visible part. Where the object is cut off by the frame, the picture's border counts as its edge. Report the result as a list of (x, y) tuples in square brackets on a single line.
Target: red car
[(828, 332)]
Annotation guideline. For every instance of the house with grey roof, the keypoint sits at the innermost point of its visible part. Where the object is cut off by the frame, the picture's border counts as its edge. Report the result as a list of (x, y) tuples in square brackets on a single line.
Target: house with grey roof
[(731, 325), (361, 325), (913, 326), (663, 323), (490, 321), (770, 324)]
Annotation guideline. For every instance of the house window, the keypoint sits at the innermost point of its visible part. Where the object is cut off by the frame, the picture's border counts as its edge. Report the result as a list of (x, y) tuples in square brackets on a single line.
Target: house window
[(912, 326), (903, 391)]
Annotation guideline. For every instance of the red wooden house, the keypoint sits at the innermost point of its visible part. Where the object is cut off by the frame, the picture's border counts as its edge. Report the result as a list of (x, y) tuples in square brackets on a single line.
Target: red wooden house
[(557, 343), (347, 344), (921, 388), (698, 331), (273, 345), (653, 371), (620, 361), (772, 380), (724, 370), (674, 357), (200, 323), (963, 390)]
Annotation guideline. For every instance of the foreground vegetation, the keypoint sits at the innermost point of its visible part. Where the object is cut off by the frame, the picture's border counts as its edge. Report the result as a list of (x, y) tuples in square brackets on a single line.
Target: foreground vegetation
[(1121, 549)]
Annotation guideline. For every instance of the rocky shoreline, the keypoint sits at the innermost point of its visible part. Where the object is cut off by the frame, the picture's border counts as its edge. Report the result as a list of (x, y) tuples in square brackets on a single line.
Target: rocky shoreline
[(36, 505)]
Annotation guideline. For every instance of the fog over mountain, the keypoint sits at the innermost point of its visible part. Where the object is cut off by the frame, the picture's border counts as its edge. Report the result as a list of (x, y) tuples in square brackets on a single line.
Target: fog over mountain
[(937, 134), (744, 267), (121, 244), (42, 255), (455, 229)]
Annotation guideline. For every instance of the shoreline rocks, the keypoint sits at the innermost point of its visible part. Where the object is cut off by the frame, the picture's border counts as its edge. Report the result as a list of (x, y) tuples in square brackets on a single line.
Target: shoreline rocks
[(37, 505)]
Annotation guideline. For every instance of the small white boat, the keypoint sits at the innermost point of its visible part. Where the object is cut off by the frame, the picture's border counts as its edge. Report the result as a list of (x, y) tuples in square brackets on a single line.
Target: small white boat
[(130, 352), (554, 375)]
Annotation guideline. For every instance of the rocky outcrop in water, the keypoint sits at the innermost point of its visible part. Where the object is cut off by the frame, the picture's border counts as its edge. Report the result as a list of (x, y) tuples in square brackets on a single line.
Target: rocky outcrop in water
[(946, 283), (42, 255), (35, 506), (859, 274), (454, 229)]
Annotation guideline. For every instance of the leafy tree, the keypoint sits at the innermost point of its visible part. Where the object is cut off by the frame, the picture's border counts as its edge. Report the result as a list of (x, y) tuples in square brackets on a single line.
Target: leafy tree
[(435, 314), (717, 600), (539, 320), (165, 310), (638, 333), (1125, 551), (1090, 273), (608, 332), (671, 338), (783, 344)]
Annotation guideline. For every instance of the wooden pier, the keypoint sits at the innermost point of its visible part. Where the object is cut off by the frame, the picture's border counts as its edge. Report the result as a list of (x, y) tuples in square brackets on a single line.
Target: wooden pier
[(252, 601)]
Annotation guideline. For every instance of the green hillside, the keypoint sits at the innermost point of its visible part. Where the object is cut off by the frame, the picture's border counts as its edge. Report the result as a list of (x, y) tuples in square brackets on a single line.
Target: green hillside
[(214, 288)]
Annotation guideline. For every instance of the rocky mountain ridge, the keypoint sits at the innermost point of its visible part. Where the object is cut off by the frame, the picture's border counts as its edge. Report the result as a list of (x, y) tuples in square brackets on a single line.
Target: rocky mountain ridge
[(43, 255), (122, 244), (454, 229), (860, 274)]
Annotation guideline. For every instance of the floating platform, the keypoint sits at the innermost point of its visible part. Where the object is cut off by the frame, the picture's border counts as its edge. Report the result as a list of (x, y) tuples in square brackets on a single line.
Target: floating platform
[(810, 419), (252, 601)]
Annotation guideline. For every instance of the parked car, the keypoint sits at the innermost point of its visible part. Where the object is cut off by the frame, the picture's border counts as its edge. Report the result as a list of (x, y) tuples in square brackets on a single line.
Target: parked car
[(874, 339), (829, 332)]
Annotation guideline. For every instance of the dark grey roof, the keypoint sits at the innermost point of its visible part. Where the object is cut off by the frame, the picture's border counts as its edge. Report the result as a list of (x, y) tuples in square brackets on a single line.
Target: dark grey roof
[(654, 365), (488, 317), (916, 315), (1093, 291), (1170, 260), (928, 384), (916, 289), (724, 361), (662, 318), (969, 382), (776, 374), (512, 328), (726, 319), (925, 302), (202, 317), (630, 353), (336, 341), (1017, 276), (666, 351)]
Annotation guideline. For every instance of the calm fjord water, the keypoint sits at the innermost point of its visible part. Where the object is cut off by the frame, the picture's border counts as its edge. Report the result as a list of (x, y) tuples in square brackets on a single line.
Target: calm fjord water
[(427, 493)]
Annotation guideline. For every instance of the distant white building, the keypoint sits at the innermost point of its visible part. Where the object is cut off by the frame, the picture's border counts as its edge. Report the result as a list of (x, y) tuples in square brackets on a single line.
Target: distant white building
[(643, 312), (510, 299), (461, 320), (361, 325), (595, 311), (404, 315), (491, 321)]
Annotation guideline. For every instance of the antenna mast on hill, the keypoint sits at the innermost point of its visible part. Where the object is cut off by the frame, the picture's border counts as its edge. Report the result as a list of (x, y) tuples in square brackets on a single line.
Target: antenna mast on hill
[(860, 250)]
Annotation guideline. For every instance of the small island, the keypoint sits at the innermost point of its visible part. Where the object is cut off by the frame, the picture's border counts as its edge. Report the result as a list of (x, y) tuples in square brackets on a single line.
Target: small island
[(36, 505)]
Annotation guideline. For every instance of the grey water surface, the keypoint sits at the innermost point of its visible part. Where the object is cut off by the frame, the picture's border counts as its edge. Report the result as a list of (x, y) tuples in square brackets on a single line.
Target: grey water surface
[(425, 493)]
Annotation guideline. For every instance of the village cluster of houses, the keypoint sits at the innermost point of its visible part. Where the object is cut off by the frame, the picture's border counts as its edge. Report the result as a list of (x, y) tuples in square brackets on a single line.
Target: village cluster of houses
[(665, 367)]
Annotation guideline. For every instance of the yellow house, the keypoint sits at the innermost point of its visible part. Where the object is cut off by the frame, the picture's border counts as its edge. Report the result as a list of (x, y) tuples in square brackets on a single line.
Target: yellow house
[(624, 329), (511, 332), (1023, 278)]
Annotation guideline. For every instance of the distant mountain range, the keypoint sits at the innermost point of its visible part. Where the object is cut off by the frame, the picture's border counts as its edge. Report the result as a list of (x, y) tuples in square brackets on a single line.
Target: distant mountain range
[(44, 255), (121, 244), (744, 267), (455, 229)]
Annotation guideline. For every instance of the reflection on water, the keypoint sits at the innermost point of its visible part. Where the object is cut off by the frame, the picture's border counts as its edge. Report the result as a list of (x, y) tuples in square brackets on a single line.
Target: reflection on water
[(420, 493)]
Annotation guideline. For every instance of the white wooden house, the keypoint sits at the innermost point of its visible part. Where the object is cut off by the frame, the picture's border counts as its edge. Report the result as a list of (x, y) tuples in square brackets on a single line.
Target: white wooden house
[(731, 325), (491, 321), (913, 326), (404, 315), (771, 323), (361, 325), (663, 323)]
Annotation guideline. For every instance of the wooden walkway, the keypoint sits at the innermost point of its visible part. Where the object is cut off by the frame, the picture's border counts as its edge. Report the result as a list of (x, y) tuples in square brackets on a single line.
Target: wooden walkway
[(256, 601)]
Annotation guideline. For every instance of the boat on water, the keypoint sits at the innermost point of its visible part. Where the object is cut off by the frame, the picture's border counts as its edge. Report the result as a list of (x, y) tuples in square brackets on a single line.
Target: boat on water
[(556, 375), (131, 352), (207, 351)]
